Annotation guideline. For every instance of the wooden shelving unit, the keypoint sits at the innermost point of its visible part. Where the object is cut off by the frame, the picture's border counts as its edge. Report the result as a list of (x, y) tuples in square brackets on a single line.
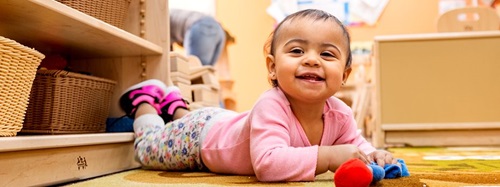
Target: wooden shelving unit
[(49, 27), (52, 159), (137, 52), (447, 98)]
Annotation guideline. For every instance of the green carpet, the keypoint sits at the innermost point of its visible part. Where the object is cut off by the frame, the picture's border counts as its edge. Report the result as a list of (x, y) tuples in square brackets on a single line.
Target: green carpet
[(454, 166), (428, 166)]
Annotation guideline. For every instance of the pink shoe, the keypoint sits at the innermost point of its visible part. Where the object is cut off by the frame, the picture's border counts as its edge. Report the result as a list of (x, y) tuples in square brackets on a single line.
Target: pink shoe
[(171, 103), (151, 91)]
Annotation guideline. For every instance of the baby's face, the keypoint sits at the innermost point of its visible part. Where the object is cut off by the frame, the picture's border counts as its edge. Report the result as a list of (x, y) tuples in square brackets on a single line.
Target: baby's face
[(309, 59)]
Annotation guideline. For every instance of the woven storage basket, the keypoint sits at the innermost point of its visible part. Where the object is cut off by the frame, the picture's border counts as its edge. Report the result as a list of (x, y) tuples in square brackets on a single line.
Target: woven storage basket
[(17, 70), (109, 11), (67, 102)]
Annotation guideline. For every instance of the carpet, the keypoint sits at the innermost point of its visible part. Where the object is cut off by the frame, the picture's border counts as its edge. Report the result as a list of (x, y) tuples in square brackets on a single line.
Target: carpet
[(428, 166)]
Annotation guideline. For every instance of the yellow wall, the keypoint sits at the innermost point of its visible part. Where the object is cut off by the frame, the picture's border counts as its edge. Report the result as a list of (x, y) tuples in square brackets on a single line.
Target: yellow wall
[(401, 17), (251, 25)]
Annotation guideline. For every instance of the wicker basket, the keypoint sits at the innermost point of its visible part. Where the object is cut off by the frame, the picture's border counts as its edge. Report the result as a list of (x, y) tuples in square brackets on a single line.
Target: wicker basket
[(66, 102), (109, 11), (17, 70)]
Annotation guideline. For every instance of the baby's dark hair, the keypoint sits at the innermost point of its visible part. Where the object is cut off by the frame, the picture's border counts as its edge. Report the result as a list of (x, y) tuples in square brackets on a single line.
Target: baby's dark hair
[(269, 46)]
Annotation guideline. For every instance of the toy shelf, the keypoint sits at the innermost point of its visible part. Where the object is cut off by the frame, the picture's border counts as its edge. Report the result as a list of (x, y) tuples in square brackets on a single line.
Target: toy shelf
[(138, 51), (52, 27), (47, 160)]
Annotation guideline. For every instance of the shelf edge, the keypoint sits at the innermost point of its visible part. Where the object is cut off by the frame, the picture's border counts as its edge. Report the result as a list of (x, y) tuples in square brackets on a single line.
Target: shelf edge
[(22, 143)]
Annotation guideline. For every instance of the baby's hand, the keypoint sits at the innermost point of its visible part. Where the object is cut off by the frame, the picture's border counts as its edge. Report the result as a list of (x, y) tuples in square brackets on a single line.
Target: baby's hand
[(331, 157), (347, 151), (382, 157)]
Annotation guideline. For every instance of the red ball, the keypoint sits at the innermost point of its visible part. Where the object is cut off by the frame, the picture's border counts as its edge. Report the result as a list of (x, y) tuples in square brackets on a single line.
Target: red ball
[(353, 173)]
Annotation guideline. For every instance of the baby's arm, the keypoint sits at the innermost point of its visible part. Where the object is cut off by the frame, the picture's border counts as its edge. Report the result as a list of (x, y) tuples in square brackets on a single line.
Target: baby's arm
[(331, 157)]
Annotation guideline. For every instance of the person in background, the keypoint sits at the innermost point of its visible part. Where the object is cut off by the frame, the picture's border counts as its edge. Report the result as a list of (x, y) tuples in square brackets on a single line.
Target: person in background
[(295, 131), (198, 33)]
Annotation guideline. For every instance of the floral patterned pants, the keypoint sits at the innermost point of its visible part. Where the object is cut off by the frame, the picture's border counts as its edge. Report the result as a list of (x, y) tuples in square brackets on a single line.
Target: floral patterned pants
[(171, 146)]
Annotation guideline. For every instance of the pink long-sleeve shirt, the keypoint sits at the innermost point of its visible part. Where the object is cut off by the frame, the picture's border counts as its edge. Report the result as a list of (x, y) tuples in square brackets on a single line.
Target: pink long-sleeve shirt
[(269, 142)]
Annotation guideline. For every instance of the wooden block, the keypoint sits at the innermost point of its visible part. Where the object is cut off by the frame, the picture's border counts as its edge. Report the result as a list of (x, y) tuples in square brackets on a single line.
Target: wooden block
[(207, 79), (205, 75), (180, 78), (203, 93), (176, 83), (185, 91), (181, 75), (198, 71), (194, 61), (179, 63)]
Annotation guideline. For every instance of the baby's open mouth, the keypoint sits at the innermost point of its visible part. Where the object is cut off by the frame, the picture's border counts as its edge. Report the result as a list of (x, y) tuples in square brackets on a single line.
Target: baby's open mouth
[(310, 77)]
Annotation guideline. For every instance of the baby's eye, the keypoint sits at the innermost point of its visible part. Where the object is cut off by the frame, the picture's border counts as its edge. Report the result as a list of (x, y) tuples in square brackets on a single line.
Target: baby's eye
[(327, 54), (296, 51)]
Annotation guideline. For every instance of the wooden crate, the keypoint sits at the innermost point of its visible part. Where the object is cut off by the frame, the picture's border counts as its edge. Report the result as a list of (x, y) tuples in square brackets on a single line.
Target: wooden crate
[(205, 95), (204, 75), (179, 63)]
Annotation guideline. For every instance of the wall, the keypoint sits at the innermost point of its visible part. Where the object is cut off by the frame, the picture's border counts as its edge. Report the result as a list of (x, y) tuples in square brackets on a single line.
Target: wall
[(401, 17), (251, 25)]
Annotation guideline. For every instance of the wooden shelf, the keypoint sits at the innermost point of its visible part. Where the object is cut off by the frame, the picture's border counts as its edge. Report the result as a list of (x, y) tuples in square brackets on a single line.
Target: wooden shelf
[(437, 36), (52, 27), (54, 159), (29, 142), (96, 47)]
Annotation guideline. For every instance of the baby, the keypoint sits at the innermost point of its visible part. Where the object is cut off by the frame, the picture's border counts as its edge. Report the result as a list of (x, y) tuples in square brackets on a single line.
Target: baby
[(295, 131)]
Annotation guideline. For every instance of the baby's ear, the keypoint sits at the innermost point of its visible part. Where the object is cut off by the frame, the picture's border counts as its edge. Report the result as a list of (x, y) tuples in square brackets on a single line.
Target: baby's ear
[(346, 74), (270, 63)]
